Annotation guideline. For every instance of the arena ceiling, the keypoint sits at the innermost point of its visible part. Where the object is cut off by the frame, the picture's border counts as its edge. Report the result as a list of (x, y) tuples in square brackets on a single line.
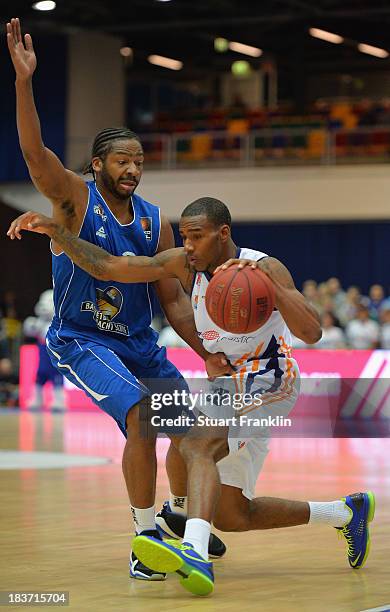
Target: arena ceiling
[(185, 29)]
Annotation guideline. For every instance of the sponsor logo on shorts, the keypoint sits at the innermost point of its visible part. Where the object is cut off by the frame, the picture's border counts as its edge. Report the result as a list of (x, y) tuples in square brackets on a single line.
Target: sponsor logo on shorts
[(108, 305)]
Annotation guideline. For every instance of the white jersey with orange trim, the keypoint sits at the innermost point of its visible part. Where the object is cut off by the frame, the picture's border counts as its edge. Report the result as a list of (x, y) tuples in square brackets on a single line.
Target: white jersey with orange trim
[(264, 368), (272, 340)]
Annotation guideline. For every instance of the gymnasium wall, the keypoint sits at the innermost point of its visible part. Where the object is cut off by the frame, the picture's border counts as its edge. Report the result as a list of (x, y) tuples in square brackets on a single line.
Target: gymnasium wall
[(25, 264), (96, 92), (264, 194), (50, 90)]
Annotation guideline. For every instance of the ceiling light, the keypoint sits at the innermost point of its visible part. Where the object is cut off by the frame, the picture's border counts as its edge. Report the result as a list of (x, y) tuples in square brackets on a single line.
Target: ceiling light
[(221, 45), (241, 68), (328, 36), (245, 49), (44, 5), (165, 62), (376, 51), (126, 51)]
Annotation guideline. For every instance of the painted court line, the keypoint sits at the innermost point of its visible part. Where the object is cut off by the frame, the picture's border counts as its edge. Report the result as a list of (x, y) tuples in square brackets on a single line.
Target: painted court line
[(385, 608)]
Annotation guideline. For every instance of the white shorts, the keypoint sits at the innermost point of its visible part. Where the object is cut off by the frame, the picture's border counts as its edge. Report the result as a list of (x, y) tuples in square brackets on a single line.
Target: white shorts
[(241, 468), (249, 441)]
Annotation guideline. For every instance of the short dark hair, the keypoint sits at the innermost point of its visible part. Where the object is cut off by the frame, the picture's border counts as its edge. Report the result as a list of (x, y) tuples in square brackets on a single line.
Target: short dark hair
[(103, 142), (216, 211)]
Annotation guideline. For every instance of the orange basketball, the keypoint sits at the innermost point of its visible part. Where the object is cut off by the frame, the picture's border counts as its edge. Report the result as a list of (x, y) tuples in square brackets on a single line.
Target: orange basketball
[(240, 300)]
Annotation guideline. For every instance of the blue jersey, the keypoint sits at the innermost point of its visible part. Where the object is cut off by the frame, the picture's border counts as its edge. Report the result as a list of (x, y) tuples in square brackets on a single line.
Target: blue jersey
[(108, 308)]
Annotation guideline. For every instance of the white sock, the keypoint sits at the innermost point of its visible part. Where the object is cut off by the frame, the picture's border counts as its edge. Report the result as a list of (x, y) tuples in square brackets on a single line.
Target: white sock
[(336, 513), (177, 504), (144, 518), (197, 533)]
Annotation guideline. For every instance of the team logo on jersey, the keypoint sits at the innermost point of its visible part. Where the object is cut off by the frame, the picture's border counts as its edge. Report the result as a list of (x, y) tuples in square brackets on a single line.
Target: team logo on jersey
[(146, 223), (109, 303), (210, 334), (101, 232), (195, 302), (98, 210), (198, 278)]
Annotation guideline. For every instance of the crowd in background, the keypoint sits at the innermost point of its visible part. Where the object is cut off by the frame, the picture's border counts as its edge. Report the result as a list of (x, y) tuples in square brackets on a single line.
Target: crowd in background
[(348, 319)]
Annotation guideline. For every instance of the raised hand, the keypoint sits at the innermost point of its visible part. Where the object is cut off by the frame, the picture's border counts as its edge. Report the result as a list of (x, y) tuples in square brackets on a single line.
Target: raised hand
[(32, 222), (22, 54)]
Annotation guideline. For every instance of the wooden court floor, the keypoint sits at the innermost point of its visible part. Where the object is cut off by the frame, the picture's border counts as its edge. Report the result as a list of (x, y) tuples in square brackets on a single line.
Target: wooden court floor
[(67, 528)]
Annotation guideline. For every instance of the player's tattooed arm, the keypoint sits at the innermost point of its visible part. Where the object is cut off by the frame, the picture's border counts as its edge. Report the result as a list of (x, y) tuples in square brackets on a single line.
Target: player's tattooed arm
[(302, 319), (96, 261), (46, 170)]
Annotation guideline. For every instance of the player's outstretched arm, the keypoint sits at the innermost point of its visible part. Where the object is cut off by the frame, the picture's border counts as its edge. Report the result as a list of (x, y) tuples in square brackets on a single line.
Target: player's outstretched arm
[(301, 318), (63, 187), (94, 260)]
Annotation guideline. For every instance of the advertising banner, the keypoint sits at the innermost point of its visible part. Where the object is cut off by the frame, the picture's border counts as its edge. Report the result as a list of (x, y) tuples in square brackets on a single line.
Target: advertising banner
[(352, 384)]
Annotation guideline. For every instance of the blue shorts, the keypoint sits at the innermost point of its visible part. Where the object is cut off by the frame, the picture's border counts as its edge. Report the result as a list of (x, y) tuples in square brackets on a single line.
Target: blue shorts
[(111, 371)]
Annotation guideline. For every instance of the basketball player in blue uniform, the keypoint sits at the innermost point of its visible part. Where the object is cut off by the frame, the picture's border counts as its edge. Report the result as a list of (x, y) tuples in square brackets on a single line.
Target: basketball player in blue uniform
[(264, 360), (100, 337)]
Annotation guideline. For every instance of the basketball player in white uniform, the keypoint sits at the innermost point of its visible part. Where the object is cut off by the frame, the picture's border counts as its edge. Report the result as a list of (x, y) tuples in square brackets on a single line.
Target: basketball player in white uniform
[(263, 366)]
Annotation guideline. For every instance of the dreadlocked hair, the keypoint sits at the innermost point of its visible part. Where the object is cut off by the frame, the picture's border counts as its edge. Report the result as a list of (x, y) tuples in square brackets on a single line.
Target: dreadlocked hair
[(103, 143)]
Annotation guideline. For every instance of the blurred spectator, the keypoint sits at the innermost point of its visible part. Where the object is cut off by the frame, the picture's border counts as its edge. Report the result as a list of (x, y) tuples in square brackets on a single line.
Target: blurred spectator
[(336, 293), (332, 336), (36, 327), (362, 332), (348, 310), (385, 320), (169, 338), (310, 291), (328, 307), (5, 362), (167, 335), (12, 327), (377, 296), (8, 377), (323, 293), (8, 305)]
